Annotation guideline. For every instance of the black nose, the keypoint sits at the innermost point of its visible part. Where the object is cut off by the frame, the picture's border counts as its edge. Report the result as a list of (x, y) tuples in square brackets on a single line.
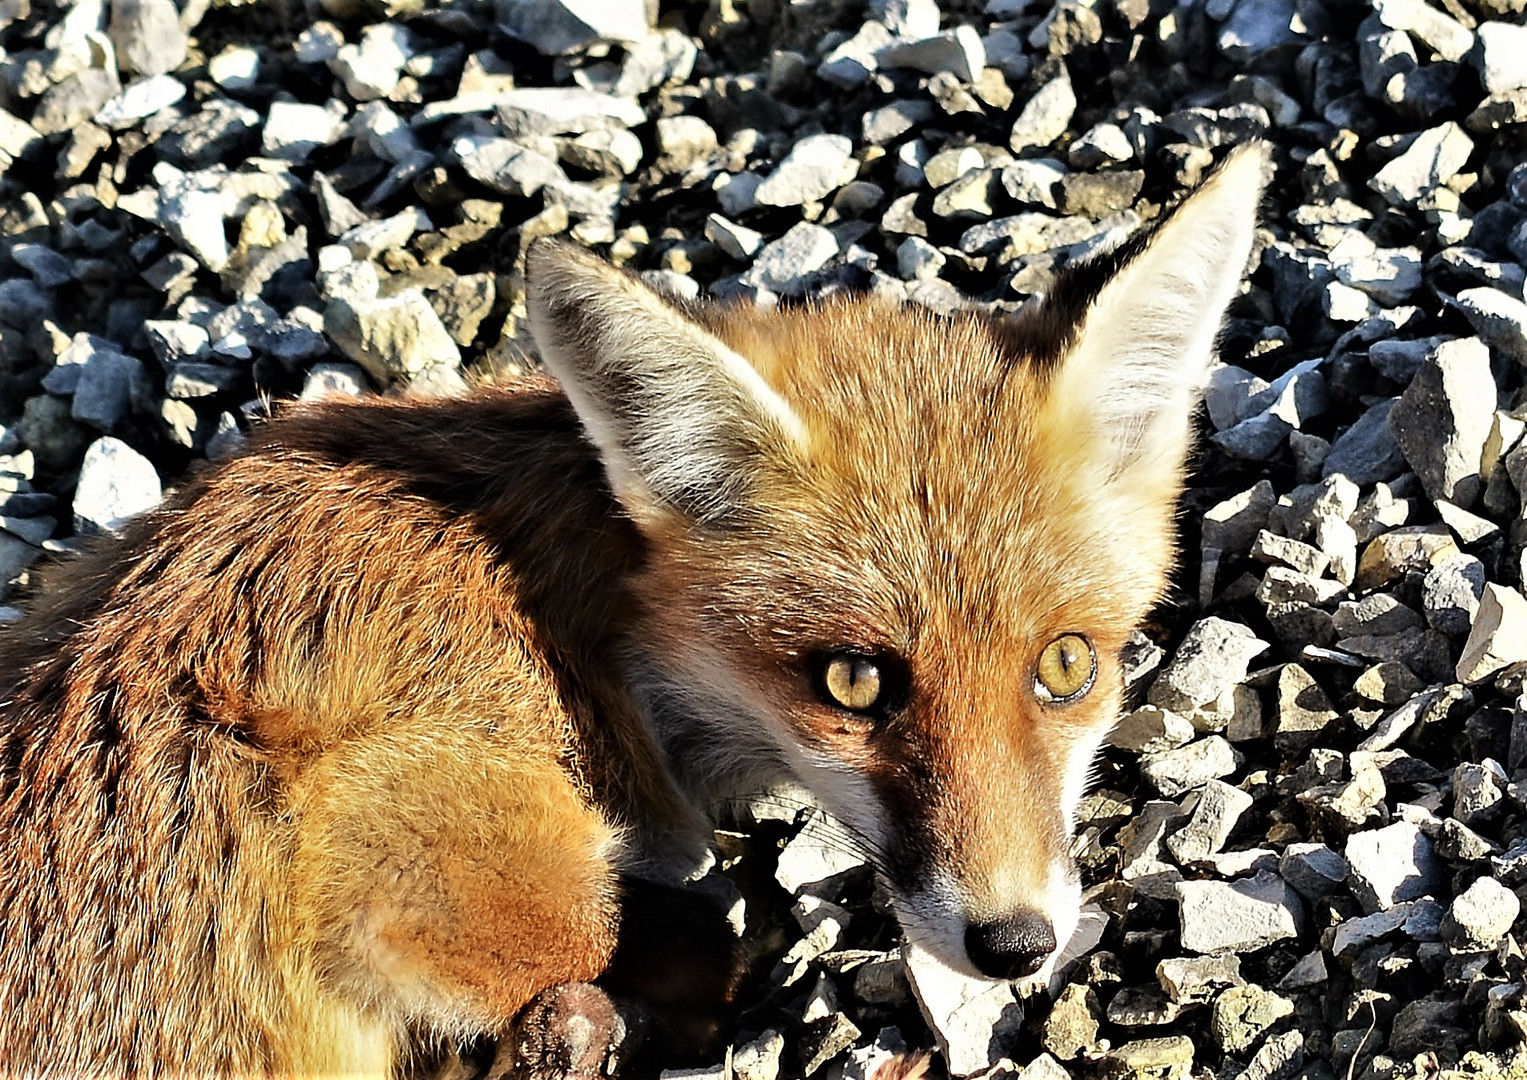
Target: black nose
[(1010, 948)]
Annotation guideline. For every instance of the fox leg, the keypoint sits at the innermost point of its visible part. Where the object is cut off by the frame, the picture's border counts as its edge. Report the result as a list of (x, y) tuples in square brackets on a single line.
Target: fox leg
[(447, 882)]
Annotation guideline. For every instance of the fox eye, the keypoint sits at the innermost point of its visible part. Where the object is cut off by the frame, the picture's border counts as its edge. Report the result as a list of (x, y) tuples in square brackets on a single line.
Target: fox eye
[(854, 682), (1067, 668)]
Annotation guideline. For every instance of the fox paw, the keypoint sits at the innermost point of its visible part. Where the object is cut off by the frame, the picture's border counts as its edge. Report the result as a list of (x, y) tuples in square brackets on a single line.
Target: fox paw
[(569, 1032)]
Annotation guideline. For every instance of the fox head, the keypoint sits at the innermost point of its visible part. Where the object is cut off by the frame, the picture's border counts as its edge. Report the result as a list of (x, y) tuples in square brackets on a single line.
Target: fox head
[(899, 554)]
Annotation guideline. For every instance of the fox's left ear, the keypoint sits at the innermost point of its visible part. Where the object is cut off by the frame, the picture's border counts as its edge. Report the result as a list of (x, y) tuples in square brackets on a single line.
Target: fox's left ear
[(685, 426), (1141, 339)]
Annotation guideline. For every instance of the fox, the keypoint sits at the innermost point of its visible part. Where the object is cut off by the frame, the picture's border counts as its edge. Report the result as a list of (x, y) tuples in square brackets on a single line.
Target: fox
[(406, 721)]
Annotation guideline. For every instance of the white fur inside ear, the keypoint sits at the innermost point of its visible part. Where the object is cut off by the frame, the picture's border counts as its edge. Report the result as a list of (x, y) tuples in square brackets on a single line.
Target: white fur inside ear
[(682, 421), (1147, 341)]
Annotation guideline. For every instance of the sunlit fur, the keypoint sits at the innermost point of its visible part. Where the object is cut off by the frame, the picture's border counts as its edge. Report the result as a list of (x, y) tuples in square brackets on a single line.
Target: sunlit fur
[(351, 739)]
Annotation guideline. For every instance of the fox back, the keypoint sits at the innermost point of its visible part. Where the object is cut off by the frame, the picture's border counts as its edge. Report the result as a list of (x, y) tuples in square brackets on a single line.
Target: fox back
[(358, 735)]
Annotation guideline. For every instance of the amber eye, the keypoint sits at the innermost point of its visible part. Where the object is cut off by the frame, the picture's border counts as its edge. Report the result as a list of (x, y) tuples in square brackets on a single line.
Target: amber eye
[(853, 682), (1066, 669)]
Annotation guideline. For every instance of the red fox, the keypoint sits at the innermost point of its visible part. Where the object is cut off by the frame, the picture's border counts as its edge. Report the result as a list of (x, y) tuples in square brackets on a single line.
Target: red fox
[(398, 722)]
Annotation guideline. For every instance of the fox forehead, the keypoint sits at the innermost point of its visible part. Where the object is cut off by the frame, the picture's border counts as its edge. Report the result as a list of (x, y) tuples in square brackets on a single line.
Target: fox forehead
[(940, 500)]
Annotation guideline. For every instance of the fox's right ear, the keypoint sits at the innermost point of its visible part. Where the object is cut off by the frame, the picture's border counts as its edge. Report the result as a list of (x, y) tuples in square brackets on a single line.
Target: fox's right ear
[(683, 424)]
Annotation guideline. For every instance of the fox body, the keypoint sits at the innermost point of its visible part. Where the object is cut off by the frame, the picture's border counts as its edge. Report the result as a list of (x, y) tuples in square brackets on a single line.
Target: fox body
[(359, 734)]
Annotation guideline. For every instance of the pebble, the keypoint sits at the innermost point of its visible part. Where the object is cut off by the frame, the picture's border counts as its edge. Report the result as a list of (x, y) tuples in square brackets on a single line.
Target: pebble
[(140, 99), (1242, 1014), (1313, 869), (559, 27), (1367, 451), (1451, 592), (371, 69), (1215, 813), (1239, 916), (1502, 56)]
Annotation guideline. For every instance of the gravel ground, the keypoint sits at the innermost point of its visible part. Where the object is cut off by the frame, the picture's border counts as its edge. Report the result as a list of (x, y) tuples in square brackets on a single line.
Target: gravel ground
[(1305, 854)]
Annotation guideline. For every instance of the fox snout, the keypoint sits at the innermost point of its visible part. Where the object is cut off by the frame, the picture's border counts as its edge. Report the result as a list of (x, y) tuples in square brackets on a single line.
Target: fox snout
[(1012, 947)]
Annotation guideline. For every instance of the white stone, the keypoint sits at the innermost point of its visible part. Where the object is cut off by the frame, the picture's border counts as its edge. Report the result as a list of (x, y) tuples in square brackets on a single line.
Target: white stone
[(972, 1019), (1498, 636), (1238, 916), (1483, 913), (237, 67), (293, 130), (1431, 160), (371, 69), (1502, 56), (815, 167), (1392, 865), (819, 851), (116, 483), (140, 99)]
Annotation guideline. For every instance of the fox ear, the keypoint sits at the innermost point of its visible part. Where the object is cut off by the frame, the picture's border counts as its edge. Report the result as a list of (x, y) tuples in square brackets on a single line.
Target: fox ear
[(1141, 320), (682, 423)]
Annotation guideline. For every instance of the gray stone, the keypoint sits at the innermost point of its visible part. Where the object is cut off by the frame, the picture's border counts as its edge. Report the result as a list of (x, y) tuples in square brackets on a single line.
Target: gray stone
[(1213, 657), (334, 380), (147, 36), (787, 264), (815, 167), (1233, 525), (559, 27), (1257, 27), (1174, 772), (1314, 870), (1243, 1014), (1272, 548), (889, 122), (1045, 116), (916, 259), (959, 51), (1499, 318), (1197, 979), (1034, 181), (506, 165), (393, 338), (852, 62), (1215, 814), (1481, 915), (738, 241), (1479, 791), (371, 69), (1451, 592), (1367, 451), (140, 99), (116, 483), (236, 68), (1393, 864), (1378, 613), (1072, 1026), (1149, 730), (1444, 417), (1239, 916), (1256, 438), (1354, 935), (562, 110), (1304, 711), (1435, 157)]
